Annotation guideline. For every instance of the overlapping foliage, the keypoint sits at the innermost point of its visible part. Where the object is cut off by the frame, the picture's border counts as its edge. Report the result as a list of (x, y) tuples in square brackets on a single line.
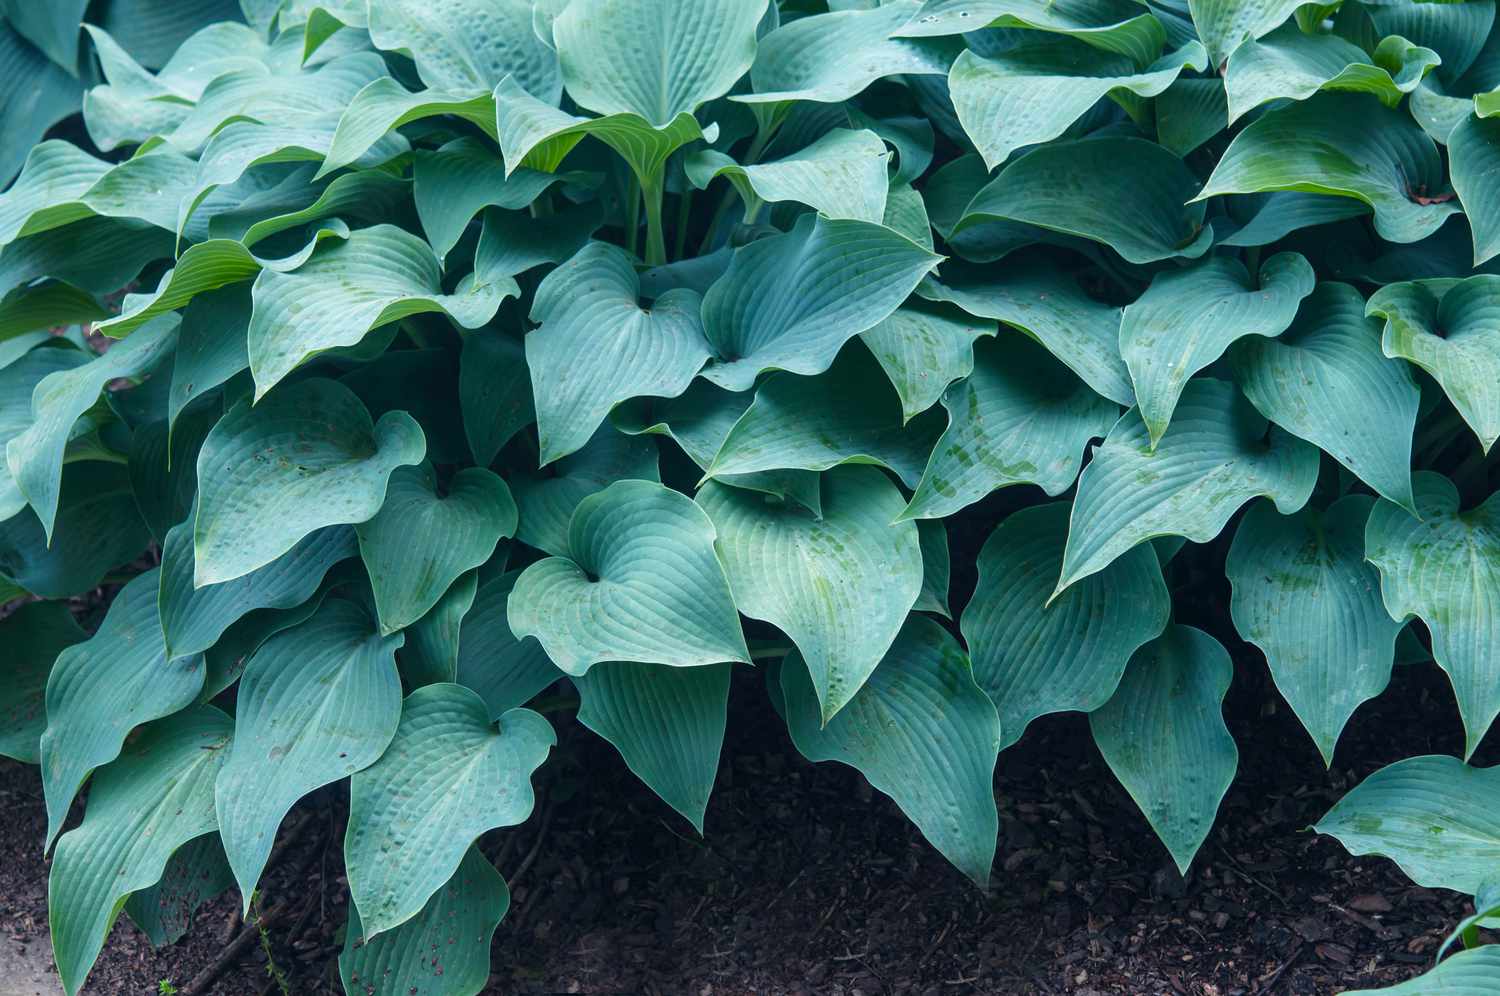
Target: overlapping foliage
[(479, 347)]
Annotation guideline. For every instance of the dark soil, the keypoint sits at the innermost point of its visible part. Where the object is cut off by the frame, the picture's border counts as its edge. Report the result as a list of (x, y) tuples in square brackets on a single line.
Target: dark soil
[(807, 882)]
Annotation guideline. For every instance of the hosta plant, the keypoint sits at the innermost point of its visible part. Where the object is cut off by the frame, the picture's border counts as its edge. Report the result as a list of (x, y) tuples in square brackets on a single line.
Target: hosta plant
[(389, 364)]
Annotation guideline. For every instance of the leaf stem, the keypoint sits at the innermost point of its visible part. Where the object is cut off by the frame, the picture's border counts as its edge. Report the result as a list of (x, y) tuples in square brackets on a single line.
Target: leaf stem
[(656, 244), (632, 214)]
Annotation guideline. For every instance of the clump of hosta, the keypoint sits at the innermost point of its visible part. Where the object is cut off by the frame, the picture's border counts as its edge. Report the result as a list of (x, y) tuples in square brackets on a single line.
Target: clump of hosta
[(488, 349)]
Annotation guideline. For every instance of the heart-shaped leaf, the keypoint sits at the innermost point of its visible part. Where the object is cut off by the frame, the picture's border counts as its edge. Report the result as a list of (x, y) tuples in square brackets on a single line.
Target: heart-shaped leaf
[(791, 301), (350, 287), (1326, 380), (86, 730), (848, 414), (598, 346), (839, 585), (1433, 815), (304, 458), (1449, 329), (1033, 92), (1187, 319), (422, 539), (1210, 462), (449, 775), (1445, 568), (1305, 596), (667, 722), (316, 703), (459, 922), (1163, 735), (641, 582), (1348, 145), (152, 801), (1129, 194), (922, 732), (1033, 658), (1019, 418)]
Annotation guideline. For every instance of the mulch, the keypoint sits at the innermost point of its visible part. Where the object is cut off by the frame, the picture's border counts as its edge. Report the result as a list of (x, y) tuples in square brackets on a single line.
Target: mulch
[(809, 882)]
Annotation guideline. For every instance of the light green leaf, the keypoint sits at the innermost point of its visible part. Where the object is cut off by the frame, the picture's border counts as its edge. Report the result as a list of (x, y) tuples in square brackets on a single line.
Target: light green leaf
[(791, 301), (135, 105), (1449, 328), (86, 729), (667, 722), (59, 400), (505, 671), (1032, 93), (1348, 145), (1326, 380), (847, 414), (1188, 317), (831, 57), (385, 104), (640, 582), (922, 350), (1304, 595), (1225, 24), (843, 175), (1109, 25), (97, 527), (449, 775), (316, 703), (451, 52), (226, 659), (1163, 735), (1474, 166), (421, 540), (1445, 569), (654, 58), (1048, 305), (306, 457), (61, 183), (1033, 658), (1288, 64), (1433, 815), (459, 922), (193, 619), (922, 732), (350, 287), (547, 502), (840, 586), (1210, 462), (206, 267), (286, 96), (155, 799), (1127, 193), (1020, 418), (536, 134), (33, 635), (598, 346), (1457, 32)]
